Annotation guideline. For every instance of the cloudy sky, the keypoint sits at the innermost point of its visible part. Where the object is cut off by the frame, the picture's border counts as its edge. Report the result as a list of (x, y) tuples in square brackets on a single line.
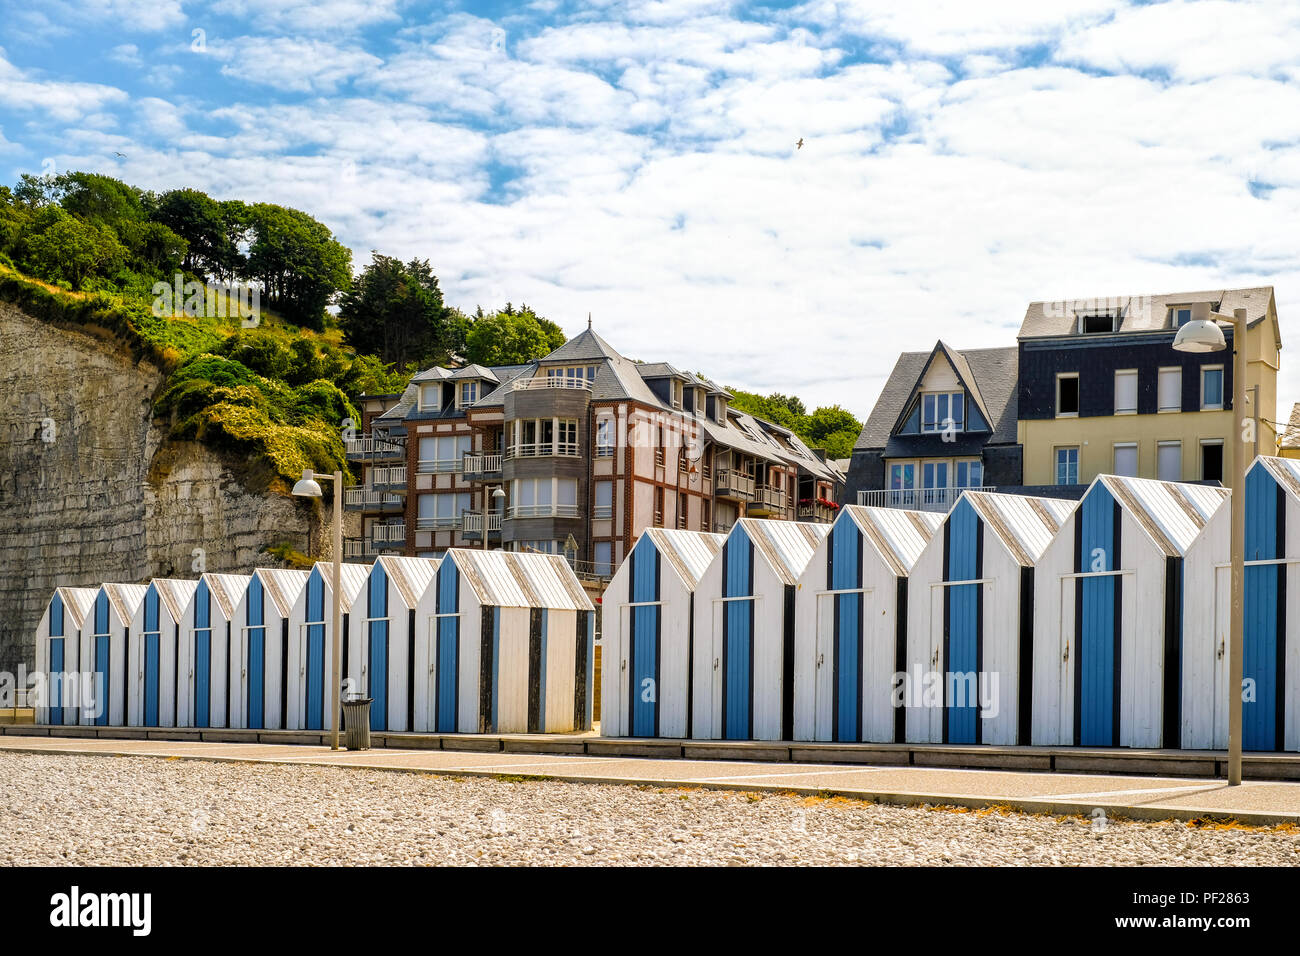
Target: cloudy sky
[(636, 159)]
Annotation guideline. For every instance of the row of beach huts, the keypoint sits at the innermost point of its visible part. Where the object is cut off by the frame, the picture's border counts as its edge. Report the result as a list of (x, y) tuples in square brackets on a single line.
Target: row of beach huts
[(1010, 620), (476, 642)]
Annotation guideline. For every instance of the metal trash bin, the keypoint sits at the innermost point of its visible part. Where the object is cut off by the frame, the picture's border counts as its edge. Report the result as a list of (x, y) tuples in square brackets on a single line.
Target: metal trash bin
[(356, 722)]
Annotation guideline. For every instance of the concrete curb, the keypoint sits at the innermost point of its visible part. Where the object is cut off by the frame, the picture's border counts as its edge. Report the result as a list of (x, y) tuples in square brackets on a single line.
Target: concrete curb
[(1162, 763)]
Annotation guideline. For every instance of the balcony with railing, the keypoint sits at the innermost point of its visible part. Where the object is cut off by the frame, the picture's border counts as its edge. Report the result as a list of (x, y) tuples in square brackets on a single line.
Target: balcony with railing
[(604, 451), (558, 449), (549, 381), (388, 478), (916, 499), (371, 499), (767, 500), (471, 524), (438, 523), (440, 466), (733, 484), (591, 570), (354, 548), (817, 511), (388, 534), (480, 467), (543, 511), (374, 447)]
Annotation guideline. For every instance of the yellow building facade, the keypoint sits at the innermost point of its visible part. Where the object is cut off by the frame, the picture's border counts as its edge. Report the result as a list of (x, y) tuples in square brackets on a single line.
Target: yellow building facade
[(1117, 399)]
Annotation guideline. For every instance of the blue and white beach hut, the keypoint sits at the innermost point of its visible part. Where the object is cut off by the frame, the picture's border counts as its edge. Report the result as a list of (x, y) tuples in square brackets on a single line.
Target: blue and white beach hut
[(154, 651), (207, 636), (311, 644), (58, 654), (260, 646), (648, 637), (383, 617), (851, 624), (744, 630), (105, 634)]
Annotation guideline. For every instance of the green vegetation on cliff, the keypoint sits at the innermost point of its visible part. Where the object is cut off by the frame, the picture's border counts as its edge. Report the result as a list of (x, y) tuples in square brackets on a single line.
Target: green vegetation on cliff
[(89, 251)]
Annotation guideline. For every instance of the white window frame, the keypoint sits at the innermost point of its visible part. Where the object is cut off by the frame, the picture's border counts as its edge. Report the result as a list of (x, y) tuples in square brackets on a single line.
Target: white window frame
[(467, 394), (1163, 409), (1223, 461), (1173, 443), (1223, 379), (1078, 395), (1114, 458), (1126, 372), (436, 387), (939, 424), (599, 510), (1056, 463)]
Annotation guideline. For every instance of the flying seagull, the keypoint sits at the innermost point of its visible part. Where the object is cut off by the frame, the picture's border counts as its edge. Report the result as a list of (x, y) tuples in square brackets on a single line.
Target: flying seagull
[(799, 145), (116, 153)]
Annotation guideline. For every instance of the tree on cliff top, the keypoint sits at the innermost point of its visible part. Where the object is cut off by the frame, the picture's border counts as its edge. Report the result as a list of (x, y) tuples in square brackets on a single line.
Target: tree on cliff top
[(396, 312)]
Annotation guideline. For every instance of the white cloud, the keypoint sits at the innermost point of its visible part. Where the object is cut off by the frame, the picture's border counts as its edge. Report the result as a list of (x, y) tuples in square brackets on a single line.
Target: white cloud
[(954, 27), (309, 16), (638, 162), (291, 64), (1192, 40), (59, 100), (127, 54)]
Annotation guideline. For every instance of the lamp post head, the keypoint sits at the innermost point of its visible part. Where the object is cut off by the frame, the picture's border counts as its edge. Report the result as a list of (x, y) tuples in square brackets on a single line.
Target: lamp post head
[(498, 494), (307, 486), (1201, 334)]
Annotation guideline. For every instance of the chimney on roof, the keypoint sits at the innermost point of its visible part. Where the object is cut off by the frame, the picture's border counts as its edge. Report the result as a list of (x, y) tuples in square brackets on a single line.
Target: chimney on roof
[(588, 321)]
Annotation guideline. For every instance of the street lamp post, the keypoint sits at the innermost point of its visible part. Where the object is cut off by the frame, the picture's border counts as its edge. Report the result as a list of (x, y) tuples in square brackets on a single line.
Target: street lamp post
[(1202, 334), (498, 496), (308, 487)]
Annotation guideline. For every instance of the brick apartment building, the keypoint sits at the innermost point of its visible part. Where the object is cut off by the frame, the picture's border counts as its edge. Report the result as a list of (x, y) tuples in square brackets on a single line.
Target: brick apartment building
[(588, 448)]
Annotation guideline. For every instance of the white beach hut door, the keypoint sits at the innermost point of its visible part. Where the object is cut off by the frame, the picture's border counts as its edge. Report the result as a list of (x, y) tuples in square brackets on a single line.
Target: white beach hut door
[(824, 667), (1222, 633)]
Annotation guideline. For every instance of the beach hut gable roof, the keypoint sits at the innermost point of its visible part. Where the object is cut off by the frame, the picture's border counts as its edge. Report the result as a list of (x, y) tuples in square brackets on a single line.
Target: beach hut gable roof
[(283, 585), (898, 535), (124, 599), (78, 602), (411, 576), (687, 552), (1026, 525), (1172, 513), (514, 579), (787, 546), (227, 589), (352, 576), (175, 593), (1284, 471)]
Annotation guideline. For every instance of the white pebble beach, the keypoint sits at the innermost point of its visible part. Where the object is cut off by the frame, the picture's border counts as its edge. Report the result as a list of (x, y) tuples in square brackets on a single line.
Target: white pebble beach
[(101, 810)]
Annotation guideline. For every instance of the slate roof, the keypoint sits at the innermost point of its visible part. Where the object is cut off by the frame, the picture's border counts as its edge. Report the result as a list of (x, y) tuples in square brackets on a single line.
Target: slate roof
[(1140, 313), (586, 346), (620, 379), (991, 371), (1291, 434), (408, 406)]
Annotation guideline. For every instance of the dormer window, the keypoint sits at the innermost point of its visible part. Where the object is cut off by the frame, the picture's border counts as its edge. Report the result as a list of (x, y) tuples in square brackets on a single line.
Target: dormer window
[(942, 411), (430, 397), (1097, 324), (721, 405), (468, 393), (1181, 316)]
